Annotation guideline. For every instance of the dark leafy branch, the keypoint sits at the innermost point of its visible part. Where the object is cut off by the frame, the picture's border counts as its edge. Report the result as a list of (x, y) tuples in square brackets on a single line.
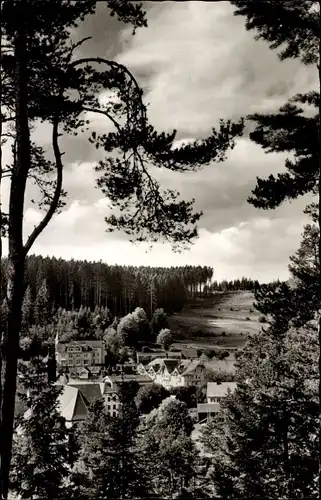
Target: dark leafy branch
[(289, 130), (291, 26), (146, 211), (71, 88)]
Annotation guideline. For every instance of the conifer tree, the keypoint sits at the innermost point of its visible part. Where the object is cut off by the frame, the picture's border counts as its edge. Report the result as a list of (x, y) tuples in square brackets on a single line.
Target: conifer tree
[(265, 441), (42, 306), (293, 27), (27, 308), (166, 448), (40, 455), (108, 465), (261, 442)]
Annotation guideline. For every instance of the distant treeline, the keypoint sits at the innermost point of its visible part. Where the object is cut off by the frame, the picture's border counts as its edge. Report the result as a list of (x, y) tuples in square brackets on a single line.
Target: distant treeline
[(121, 289), (243, 284)]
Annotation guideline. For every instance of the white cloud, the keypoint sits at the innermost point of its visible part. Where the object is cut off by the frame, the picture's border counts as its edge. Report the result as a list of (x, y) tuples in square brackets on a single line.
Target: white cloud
[(196, 72), (251, 249), (197, 64)]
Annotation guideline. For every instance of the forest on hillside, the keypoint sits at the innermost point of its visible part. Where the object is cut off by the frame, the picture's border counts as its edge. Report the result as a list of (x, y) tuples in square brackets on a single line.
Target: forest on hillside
[(72, 284)]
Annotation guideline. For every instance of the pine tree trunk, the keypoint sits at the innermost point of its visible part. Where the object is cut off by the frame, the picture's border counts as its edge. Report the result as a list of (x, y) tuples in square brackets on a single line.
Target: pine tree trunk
[(16, 257), (319, 193), (1, 278)]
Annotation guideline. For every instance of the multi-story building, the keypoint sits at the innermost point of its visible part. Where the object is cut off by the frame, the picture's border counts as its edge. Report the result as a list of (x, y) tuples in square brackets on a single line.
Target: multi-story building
[(215, 393), (79, 353), (109, 391)]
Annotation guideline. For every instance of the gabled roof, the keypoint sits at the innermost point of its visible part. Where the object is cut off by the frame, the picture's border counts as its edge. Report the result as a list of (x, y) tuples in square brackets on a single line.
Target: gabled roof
[(189, 353), (71, 404), (106, 389), (219, 390), (171, 364), (88, 345), (192, 365), (89, 391)]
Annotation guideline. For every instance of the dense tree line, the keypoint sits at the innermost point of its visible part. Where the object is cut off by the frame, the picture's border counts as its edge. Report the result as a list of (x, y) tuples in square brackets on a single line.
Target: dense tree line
[(71, 284), (243, 284)]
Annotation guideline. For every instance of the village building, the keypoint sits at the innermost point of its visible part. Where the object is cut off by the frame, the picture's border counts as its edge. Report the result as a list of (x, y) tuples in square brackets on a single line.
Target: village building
[(174, 372), (217, 391), (214, 394), (79, 353), (207, 410)]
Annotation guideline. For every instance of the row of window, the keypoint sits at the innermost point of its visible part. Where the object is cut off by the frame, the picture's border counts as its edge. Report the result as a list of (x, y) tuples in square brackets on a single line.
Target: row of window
[(112, 407), (214, 400), (112, 398)]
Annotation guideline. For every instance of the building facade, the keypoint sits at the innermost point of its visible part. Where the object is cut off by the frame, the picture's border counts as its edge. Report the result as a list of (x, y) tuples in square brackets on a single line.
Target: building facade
[(80, 353), (175, 373)]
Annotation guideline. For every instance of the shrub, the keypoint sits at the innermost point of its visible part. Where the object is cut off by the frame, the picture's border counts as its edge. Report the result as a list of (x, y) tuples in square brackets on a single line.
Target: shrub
[(223, 354), (262, 319)]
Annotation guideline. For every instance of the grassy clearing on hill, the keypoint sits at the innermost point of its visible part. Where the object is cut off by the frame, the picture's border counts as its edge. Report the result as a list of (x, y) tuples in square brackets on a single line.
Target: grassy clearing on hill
[(221, 321)]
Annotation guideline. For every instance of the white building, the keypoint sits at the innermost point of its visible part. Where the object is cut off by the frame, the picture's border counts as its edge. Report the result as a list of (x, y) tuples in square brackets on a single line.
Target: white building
[(217, 391), (174, 372), (80, 353)]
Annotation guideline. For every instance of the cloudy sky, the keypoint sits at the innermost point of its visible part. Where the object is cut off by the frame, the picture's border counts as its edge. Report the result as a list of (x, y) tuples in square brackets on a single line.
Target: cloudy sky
[(196, 64)]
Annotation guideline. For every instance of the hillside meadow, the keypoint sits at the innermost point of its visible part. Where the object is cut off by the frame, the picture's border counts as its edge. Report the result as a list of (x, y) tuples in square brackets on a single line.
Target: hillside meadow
[(221, 320)]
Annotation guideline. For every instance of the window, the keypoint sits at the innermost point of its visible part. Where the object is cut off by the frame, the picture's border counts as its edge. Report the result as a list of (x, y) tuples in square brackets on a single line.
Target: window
[(85, 361), (114, 413), (108, 407)]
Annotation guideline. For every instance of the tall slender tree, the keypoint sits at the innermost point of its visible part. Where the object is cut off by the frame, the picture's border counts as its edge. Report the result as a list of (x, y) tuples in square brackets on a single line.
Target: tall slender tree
[(42, 306)]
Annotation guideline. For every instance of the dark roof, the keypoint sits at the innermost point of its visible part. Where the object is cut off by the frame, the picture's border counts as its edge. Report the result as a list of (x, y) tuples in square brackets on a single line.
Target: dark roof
[(89, 391), (171, 364), (191, 366), (83, 343), (189, 353)]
